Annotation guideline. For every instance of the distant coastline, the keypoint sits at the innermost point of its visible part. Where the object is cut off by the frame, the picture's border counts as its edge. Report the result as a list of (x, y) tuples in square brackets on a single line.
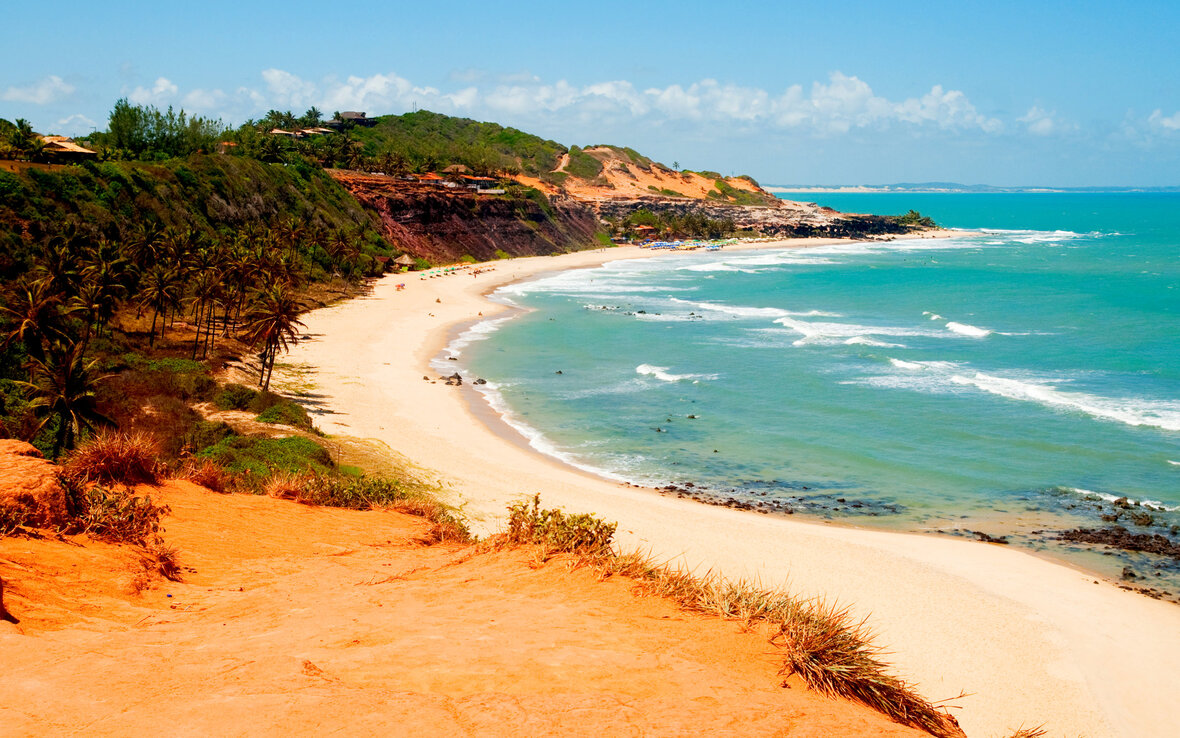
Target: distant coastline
[(955, 188)]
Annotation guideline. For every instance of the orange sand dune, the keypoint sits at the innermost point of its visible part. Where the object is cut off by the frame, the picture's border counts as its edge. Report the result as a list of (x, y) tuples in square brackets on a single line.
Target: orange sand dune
[(302, 620)]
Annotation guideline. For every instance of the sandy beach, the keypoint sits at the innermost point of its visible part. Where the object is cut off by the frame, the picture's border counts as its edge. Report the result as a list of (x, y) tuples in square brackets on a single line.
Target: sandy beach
[(1028, 641)]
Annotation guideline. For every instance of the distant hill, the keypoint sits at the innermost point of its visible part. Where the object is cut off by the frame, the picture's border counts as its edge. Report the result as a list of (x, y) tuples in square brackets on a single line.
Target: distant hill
[(427, 140)]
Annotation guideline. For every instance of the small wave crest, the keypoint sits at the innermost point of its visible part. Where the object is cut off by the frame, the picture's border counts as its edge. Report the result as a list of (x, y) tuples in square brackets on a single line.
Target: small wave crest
[(1133, 411), (661, 373), (1122, 499), (966, 329)]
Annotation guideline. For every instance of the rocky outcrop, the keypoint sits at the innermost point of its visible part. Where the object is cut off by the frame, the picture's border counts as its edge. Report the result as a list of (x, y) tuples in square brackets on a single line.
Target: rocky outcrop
[(787, 219), (29, 488)]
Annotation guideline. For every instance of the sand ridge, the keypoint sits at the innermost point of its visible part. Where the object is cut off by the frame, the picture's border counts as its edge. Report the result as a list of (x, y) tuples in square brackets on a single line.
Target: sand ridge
[(1030, 640), (301, 620)]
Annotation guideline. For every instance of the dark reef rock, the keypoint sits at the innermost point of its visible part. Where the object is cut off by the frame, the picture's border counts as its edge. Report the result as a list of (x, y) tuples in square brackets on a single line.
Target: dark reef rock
[(1119, 537)]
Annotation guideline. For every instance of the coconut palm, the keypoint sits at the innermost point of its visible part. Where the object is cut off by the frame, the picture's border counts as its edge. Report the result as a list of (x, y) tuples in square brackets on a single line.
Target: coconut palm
[(63, 387), (159, 290), (36, 313), (272, 323)]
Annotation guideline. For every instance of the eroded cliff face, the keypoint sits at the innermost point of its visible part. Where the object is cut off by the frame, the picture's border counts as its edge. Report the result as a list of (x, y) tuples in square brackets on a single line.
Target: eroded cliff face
[(444, 225)]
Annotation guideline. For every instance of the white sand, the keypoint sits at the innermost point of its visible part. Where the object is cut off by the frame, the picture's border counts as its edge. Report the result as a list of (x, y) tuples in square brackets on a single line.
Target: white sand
[(1029, 640)]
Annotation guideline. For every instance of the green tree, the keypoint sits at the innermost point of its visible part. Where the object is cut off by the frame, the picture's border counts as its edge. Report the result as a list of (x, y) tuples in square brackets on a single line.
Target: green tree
[(272, 323), (64, 388)]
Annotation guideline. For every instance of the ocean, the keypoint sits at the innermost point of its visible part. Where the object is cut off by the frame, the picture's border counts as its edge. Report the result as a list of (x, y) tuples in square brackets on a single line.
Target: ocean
[(1016, 382)]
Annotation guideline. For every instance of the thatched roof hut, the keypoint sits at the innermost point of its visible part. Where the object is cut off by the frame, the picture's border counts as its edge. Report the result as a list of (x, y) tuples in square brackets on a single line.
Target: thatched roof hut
[(405, 260)]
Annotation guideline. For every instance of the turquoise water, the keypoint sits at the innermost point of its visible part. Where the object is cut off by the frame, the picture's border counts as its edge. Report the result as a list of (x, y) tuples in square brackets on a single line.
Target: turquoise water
[(1013, 380)]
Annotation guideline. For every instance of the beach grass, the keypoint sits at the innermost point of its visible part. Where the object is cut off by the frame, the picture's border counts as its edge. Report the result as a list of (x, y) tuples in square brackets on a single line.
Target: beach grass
[(110, 457), (820, 642)]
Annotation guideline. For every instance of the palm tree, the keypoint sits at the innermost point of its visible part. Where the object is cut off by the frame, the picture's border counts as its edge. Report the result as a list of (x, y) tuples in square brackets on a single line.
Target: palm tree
[(64, 388), (38, 319), (159, 289), (273, 322)]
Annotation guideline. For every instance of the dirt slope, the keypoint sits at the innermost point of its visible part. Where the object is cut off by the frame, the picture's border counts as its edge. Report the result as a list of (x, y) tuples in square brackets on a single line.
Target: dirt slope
[(299, 620)]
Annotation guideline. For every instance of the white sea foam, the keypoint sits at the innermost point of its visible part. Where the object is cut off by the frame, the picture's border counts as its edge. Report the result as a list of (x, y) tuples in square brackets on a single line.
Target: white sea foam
[(661, 373), (535, 438), (945, 376), (932, 316), (965, 329), (866, 341), (1156, 504), (828, 333), (744, 311), (1174, 463)]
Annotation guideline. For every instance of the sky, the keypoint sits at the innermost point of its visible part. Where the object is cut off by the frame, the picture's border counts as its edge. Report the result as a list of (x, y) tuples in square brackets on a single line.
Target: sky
[(1005, 93)]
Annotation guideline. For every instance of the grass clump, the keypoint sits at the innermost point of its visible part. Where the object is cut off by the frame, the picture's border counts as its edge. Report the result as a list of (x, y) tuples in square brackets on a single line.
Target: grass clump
[(209, 474), (129, 458), (833, 653), (369, 493)]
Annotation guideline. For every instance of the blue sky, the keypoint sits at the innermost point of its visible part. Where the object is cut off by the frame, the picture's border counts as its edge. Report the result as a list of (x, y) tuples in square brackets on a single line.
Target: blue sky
[(1005, 93)]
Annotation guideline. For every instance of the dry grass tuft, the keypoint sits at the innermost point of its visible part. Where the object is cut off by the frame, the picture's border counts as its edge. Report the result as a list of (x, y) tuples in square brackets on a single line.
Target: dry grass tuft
[(821, 643), (162, 559), (287, 486), (369, 493), (209, 474), (1023, 732), (833, 653), (112, 457)]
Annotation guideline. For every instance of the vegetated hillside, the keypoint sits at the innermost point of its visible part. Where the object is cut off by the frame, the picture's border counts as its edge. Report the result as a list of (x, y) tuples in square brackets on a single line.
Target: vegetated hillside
[(425, 141), (444, 225), (203, 193)]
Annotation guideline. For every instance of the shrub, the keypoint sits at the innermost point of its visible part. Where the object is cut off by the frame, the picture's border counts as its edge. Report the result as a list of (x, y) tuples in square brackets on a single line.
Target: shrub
[(206, 433), (260, 457), (118, 516), (556, 531), (116, 457), (286, 413), (235, 397)]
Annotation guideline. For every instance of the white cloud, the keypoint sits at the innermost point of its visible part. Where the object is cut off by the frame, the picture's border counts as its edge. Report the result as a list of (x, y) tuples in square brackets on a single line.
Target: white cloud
[(1157, 120), (74, 125), (288, 90), (42, 92), (162, 90), (202, 100), (1043, 123)]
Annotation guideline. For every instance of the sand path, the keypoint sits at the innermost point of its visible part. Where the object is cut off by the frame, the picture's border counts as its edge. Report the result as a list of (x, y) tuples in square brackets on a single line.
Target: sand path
[(311, 621), (1031, 641)]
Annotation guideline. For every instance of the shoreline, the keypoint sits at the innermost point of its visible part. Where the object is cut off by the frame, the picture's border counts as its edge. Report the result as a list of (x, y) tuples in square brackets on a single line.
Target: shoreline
[(1032, 641)]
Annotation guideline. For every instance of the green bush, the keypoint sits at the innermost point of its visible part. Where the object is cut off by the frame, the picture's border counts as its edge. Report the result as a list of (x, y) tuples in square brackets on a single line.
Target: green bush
[(262, 456), (207, 433), (557, 531), (286, 413), (235, 397)]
